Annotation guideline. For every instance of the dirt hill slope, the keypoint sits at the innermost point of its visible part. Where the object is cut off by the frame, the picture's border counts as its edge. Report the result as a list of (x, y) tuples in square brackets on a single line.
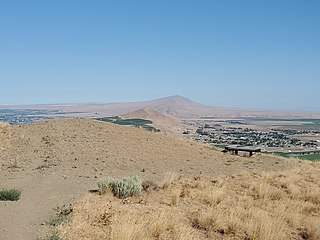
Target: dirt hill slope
[(57, 161), (166, 123)]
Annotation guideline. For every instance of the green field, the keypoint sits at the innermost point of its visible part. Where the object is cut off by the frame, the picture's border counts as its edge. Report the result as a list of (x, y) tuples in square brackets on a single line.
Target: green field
[(311, 157), (314, 121), (136, 122)]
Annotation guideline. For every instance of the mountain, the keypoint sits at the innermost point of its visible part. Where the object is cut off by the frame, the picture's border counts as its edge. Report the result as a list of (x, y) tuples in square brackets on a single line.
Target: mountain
[(180, 107), (173, 105), (176, 106)]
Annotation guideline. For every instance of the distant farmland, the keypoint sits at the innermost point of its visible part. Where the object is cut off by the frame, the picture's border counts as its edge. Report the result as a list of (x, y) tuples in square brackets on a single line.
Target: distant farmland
[(136, 122), (311, 156)]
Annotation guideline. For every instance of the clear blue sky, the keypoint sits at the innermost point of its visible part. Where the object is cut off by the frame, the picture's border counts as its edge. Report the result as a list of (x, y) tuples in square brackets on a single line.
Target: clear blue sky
[(248, 54)]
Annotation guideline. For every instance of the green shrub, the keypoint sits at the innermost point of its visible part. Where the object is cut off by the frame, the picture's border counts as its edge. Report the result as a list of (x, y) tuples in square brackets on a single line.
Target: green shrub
[(121, 188), (105, 184), (12, 194), (127, 187)]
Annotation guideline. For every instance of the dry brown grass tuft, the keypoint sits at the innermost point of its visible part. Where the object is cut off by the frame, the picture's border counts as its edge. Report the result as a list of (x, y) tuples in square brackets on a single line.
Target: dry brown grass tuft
[(4, 125), (149, 185), (169, 179), (175, 196)]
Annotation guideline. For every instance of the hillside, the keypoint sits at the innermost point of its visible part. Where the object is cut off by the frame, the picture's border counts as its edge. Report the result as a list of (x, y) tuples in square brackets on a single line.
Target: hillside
[(5, 136), (55, 162), (166, 123), (262, 206)]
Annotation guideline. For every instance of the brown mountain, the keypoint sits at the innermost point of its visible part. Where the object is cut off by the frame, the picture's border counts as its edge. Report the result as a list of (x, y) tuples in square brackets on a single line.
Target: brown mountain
[(174, 105)]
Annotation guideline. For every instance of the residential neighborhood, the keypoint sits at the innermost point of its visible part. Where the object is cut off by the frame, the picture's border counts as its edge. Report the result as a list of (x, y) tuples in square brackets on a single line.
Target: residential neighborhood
[(269, 140)]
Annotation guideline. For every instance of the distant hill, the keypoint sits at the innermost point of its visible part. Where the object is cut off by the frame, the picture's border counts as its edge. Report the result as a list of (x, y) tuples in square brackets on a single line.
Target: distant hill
[(166, 123), (180, 107), (176, 106)]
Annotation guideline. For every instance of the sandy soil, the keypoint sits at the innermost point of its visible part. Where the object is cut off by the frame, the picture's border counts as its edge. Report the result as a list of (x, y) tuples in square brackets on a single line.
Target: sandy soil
[(55, 162)]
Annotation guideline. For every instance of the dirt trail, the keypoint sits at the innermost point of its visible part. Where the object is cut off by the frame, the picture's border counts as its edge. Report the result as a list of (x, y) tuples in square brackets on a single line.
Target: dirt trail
[(55, 162), (24, 219)]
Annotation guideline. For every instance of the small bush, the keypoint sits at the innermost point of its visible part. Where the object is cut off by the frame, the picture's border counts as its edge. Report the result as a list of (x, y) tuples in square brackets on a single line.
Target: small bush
[(51, 236), (105, 184), (61, 216), (121, 188), (12, 194)]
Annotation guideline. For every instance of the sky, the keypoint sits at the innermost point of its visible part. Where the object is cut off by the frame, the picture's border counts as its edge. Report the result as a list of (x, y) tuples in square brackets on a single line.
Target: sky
[(243, 54)]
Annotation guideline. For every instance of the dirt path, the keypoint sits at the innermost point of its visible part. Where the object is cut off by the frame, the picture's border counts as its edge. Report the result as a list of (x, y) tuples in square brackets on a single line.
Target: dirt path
[(56, 162), (42, 194)]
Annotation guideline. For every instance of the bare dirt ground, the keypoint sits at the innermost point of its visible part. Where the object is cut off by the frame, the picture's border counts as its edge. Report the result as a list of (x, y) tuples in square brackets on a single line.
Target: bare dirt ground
[(55, 162)]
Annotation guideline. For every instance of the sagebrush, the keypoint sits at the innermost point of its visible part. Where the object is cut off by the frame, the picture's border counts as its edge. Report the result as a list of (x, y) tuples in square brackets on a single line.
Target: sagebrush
[(121, 188), (61, 216), (12, 194)]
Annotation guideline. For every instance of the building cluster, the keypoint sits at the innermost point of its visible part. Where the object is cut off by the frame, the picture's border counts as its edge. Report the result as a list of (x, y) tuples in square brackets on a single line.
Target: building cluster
[(22, 119), (219, 135), (23, 116), (296, 132)]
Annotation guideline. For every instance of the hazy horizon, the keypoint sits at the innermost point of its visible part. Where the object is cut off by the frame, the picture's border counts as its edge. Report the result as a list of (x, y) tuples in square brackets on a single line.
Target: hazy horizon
[(79, 103), (248, 55)]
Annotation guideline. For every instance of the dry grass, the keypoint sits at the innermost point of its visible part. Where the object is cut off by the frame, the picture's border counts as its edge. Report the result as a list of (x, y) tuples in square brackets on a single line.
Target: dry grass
[(169, 179), (5, 132), (61, 159), (278, 205), (5, 135), (120, 150)]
